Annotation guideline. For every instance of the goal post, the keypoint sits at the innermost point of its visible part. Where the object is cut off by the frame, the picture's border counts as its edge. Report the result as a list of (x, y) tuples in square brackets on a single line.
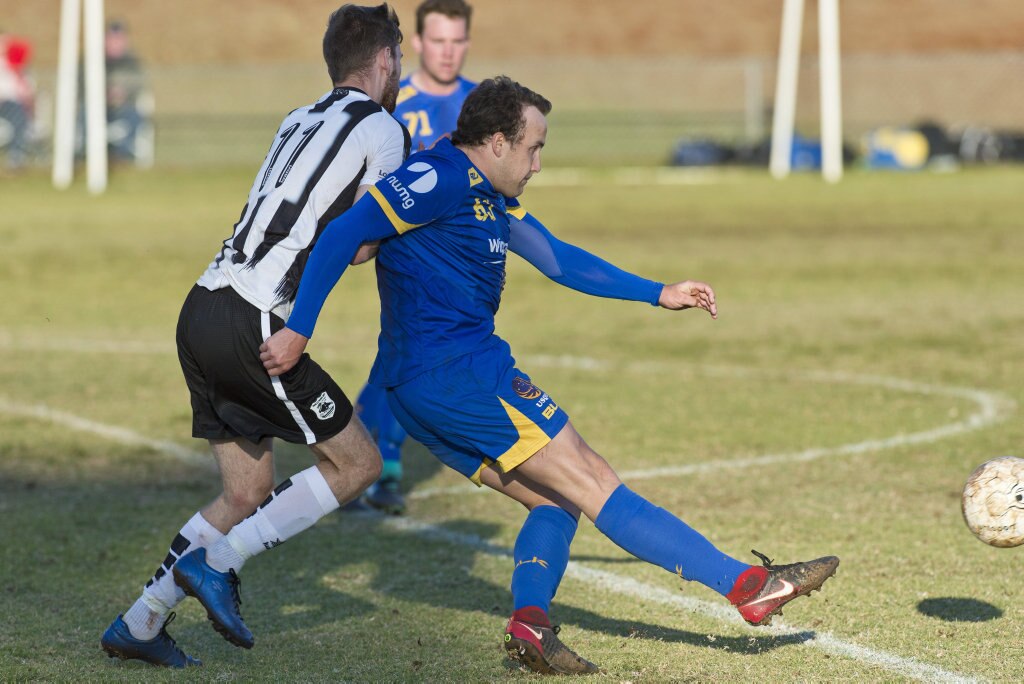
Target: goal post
[(831, 109), (67, 94), (784, 111), (74, 16), (784, 118)]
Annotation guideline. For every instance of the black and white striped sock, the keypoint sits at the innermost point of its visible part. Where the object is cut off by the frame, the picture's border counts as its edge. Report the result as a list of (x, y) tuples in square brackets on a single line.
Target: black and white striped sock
[(161, 594)]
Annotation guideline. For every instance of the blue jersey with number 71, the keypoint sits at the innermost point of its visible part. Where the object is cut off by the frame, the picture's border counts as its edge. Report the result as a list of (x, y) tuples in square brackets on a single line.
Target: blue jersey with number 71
[(429, 117)]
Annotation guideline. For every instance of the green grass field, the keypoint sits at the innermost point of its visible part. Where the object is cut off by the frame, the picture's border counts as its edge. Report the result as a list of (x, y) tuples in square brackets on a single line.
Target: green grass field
[(866, 359)]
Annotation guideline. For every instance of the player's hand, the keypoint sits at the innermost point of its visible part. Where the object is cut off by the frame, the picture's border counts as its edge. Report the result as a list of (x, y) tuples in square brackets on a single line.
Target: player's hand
[(282, 351), (689, 294)]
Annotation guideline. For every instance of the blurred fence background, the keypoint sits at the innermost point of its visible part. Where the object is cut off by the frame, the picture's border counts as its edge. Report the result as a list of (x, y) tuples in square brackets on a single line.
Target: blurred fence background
[(221, 105)]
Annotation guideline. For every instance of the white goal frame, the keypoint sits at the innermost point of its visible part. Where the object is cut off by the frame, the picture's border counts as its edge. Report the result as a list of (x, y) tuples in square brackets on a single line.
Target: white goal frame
[(786, 88), (74, 15)]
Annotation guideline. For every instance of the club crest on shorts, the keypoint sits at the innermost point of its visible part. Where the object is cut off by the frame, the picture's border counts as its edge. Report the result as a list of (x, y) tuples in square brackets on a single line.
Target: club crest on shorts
[(323, 406), (525, 388)]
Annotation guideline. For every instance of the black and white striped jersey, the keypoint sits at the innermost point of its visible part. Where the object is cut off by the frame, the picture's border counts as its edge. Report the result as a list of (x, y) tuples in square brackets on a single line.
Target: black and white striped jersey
[(320, 156)]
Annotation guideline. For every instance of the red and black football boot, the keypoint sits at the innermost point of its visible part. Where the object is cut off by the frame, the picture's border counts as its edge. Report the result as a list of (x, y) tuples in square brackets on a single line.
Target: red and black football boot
[(761, 592), (530, 639)]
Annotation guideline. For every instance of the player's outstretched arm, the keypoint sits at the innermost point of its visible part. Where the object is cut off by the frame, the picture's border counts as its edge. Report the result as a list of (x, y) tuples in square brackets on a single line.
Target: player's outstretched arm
[(689, 294), (576, 268)]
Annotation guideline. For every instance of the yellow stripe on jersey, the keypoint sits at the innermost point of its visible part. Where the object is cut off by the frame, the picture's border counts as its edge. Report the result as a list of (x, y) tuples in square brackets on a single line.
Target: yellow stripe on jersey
[(405, 93), (519, 212), (400, 225), (531, 439)]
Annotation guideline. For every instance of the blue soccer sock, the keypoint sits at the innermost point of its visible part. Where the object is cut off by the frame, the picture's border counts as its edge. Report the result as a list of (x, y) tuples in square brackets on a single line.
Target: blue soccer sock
[(391, 436), (367, 407), (541, 555), (653, 534)]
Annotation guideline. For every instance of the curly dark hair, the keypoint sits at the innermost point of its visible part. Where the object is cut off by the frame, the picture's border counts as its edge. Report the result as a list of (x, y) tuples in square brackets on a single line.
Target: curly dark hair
[(496, 106), (355, 34)]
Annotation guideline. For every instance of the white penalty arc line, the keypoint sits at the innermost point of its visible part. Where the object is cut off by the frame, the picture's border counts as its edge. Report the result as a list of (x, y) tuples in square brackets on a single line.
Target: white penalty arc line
[(992, 408), (111, 432), (627, 586), (619, 584)]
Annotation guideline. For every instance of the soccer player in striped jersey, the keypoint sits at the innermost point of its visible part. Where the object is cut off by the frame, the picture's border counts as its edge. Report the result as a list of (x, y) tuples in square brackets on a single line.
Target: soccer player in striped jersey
[(453, 383), (429, 101), (322, 159)]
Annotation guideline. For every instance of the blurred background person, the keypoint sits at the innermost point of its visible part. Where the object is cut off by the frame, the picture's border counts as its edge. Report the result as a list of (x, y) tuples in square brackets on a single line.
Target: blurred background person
[(429, 101), (129, 103), (431, 96), (17, 99)]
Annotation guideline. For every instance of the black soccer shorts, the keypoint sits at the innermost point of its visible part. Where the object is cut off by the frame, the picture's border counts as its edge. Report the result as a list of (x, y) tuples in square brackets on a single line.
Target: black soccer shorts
[(219, 335)]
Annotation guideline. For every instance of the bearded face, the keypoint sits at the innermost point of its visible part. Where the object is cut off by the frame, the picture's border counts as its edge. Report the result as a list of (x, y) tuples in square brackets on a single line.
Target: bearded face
[(389, 99)]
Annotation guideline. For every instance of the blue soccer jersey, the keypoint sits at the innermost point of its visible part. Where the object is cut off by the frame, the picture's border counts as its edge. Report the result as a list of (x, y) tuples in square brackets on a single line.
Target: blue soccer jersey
[(441, 274), (429, 117), (440, 286), (451, 381)]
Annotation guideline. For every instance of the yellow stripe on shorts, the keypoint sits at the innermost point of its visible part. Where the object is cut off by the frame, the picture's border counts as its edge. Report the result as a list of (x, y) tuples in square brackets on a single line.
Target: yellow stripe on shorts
[(531, 439)]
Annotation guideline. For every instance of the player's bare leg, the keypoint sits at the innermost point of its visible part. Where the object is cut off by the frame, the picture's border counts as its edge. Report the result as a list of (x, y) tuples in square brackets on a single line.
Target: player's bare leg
[(247, 476), (569, 466), (540, 556), (349, 461), (346, 464)]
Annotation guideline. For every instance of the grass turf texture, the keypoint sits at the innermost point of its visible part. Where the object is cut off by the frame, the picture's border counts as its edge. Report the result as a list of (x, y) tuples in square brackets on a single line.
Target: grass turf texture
[(914, 277)]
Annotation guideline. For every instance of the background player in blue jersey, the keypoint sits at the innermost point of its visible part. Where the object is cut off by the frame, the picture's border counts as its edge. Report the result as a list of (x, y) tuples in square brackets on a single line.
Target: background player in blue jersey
[(453, 383), (429, 100)]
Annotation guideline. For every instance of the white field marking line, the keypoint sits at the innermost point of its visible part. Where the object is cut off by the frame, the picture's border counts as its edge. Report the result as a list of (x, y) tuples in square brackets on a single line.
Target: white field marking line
[(599, 578), (626, 586), (10, 341), (111, 432), (992, 408)]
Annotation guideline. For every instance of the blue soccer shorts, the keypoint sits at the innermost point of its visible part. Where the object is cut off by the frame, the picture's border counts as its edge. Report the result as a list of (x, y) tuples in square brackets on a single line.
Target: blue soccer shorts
[(477, 410)]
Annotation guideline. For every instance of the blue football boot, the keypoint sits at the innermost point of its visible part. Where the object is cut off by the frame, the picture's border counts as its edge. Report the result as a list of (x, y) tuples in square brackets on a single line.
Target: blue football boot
[(118, 642), (218, 592), (386, 495)]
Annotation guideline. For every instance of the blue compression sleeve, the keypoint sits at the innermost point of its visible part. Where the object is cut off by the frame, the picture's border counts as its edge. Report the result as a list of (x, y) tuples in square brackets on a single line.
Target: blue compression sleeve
[(573, 267), (365, 221)]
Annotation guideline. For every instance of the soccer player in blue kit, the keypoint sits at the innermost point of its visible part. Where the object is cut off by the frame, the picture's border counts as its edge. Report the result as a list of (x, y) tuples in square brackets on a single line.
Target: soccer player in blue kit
[(429, 100), (454, 385)]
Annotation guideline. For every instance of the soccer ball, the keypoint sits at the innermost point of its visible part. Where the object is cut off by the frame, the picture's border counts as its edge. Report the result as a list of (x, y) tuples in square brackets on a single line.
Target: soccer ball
[(993, 502)]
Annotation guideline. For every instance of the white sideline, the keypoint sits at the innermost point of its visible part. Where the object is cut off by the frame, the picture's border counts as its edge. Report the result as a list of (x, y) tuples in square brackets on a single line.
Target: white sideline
[(626, 586), (619, 584), (112, 432), (36, 342), (992, 408)]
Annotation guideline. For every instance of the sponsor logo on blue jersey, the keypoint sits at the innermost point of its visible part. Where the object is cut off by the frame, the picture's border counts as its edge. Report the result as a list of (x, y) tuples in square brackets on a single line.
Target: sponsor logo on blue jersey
[(426, 182), (483, 210), (525, 388)]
